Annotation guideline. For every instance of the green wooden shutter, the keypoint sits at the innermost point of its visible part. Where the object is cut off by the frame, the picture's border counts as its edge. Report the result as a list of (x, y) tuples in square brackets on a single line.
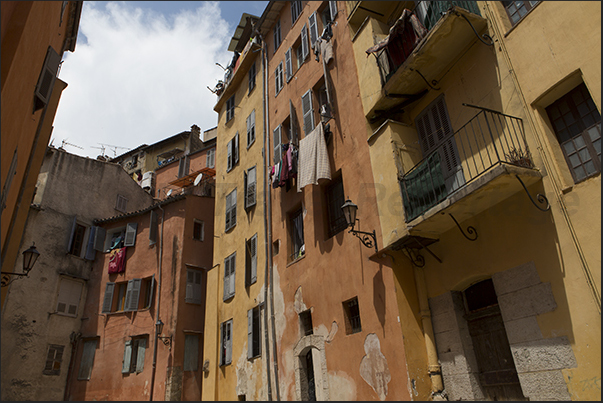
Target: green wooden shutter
[(191, 352)]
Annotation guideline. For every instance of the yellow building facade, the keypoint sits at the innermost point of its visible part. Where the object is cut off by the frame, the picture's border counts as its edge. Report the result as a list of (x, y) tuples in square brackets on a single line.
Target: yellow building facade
[(234, 335), (483, 122)]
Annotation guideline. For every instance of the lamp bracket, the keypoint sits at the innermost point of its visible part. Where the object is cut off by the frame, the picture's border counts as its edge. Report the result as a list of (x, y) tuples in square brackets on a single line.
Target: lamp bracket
[(368, 239), (470, 230), (6, 278)]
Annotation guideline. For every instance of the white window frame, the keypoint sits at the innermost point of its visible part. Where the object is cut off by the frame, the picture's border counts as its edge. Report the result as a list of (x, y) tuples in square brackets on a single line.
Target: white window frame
[(230, 271), (296, 10), (69, 296), (194, 286), (232, 153), (313, 27), (231, 210), (304, 43), (278, 78), (211, 158)]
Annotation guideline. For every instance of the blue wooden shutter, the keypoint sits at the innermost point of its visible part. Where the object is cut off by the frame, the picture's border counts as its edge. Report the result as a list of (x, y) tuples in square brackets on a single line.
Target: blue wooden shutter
[(130, 234), (108, 299), (90, 251), (142, 345), (127, 357)]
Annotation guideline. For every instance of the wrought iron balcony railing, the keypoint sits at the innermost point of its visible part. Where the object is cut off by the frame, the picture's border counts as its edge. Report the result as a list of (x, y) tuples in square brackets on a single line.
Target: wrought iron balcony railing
[(428, 13), (490, 138)]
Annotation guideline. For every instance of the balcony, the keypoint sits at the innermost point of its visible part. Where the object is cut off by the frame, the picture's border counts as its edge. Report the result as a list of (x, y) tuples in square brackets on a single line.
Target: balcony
[(470, 171), (420, 48)]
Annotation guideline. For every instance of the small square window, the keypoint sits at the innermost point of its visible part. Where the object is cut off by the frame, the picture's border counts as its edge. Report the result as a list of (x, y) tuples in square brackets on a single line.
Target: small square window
[(352, 316), (121, 204), (54, 358)]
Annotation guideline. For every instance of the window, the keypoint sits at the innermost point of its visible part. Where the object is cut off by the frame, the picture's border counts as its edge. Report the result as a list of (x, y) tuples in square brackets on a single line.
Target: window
[(296, 9), (328, 14), (131, 295), (191, 352), (232, 152), (254, 343), (46, 80), (251, 260), (288, 65), (226, 342), (211, 158), (230, 105), (121, 203), (304, 42), (153, 227), (231, 210), (305, 323), (251, 128), (335, 199), (87, 359), (54, 357), (134, 352), (250, 187), (299, 56), (277, 144), (68, 300), (12, 171), (229, 276), (352, 316), (76, 239), (278, 78), (277, 35), (296, 233), (183, 166), (130, 235), (194, 288), (313, 29), (518, 9), (198, 230), (308, 112), (577, 125), (252, 74)]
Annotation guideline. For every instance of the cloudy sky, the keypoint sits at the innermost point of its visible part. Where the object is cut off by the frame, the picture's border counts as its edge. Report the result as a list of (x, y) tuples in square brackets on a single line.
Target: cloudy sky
[(140, 72)]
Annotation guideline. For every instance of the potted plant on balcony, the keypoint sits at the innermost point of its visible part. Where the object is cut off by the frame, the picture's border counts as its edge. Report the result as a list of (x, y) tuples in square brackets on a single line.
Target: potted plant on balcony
[(519, 157)]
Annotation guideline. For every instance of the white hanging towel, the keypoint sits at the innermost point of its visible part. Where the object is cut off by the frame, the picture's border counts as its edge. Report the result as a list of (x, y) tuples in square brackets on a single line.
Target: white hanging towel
[(313, 161)]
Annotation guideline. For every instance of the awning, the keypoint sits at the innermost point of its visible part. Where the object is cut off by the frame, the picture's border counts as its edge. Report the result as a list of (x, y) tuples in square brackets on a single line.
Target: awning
[(189, 179)]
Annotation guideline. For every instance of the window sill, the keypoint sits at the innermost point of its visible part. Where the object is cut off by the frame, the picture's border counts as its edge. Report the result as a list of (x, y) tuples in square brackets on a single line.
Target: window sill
[(296, 260)]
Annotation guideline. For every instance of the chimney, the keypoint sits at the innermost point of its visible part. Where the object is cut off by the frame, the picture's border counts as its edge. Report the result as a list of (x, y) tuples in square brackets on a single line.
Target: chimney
[(195, 131)]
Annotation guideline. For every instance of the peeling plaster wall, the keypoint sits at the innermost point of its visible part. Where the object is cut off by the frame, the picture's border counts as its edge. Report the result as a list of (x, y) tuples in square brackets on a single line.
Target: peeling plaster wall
[(373, 367)]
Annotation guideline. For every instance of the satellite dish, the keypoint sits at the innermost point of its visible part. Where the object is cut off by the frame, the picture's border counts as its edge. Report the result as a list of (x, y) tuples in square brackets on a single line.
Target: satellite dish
[(198, 179), (169, 193)]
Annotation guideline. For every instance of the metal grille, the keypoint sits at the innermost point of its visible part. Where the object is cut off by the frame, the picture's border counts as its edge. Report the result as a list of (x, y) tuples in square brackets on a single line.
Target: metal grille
[(352, 314)]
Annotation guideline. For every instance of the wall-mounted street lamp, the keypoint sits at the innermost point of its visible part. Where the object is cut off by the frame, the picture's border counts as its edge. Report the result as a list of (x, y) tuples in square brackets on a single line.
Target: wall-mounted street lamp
[(369, 239), (165, 340), (29, 259)]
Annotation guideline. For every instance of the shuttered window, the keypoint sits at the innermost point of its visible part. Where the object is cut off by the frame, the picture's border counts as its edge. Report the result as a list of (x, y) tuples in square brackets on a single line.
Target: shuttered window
[(90, 250), (130, 238), (226, 342), (76, 238), (108, 298), (251, 260), (313, 28), (250, 187), (229, 276), (231, 210), (211, 158), (134, 354), (132, 295), (288, 65), (253, 333), (198, 230), (308, 112), (54, 358), (333, 8), (251, 128), (296, 9), (277, 35), (87, 361), (99, 239), (230, 107), (191, 352), (183, 166), (47, 78), (335, 199), (304, 42), (252, 77), (278, 78), (121, 203), (193, 286), (68, 299), (277, 144), (232, 152), (296, 234)]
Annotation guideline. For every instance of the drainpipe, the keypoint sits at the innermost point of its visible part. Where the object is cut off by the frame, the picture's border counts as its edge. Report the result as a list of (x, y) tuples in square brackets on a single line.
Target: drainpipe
[(434, 368), (267, 213), (157, 300)]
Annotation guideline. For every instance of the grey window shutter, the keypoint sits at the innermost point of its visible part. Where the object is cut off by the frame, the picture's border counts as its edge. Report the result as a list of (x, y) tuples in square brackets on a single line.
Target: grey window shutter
[(127, 357), (87, 360), (153, 228), (248, 130), (307, 110), (254, 258), (190, 286), (233, 212), (222, 343), (253, 125), (99, 239), (108, 299), (152, 290), (73, 224), (133, 295), (233, 272), (288, 65), (47, 76), (247, 263), (191, 352), (250, 187), (304, 42), (277, 144), (197, 287), (313, 28), (130, 234), (90, 251), (249, 333), (236, 148), (293, 125), (226, 278), (333, 8), (142, 345), (230, 157)]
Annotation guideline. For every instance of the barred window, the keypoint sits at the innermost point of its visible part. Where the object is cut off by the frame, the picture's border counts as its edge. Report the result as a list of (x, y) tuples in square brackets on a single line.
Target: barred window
[(352, 316)]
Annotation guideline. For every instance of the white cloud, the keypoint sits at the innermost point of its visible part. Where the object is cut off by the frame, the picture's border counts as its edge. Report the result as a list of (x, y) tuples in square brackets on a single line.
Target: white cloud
[(139, 76)]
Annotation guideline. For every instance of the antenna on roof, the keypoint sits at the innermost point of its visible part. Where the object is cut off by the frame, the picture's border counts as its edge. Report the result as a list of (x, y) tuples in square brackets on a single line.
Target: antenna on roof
[(114, 148), (64, 142)]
